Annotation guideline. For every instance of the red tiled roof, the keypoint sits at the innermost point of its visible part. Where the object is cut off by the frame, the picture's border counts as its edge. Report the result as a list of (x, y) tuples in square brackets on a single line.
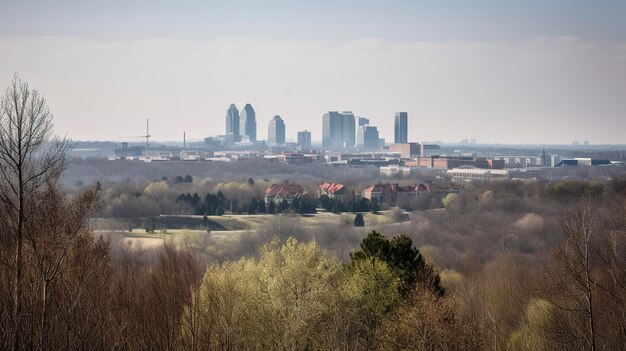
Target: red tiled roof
[(331, 188), (285, 190), (391, 188)]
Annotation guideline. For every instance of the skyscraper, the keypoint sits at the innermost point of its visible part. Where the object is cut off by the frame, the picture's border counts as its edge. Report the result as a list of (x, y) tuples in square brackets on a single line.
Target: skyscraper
[(276, 131), (367, 137), (338, 130), (247, 125), (363, 121), (304, 139), (232, 122), (401, 128)]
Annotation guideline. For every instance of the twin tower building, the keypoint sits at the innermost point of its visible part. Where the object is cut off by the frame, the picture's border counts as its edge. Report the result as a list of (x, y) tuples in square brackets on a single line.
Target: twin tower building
[(242, 126)]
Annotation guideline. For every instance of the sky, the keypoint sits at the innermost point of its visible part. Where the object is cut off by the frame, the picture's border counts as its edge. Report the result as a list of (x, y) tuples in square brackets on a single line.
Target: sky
[(514, 72)]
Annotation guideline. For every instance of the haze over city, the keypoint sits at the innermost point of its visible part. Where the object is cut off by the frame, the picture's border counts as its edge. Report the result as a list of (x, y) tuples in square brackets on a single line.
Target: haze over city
[(500, 73), (324, 175)]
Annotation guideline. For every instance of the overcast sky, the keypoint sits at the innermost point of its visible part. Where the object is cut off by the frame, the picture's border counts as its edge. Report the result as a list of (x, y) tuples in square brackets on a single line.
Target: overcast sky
[(498, 71)]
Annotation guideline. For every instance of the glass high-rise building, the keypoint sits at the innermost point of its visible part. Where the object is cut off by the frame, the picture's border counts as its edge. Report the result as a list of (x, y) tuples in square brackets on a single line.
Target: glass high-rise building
[(401, 128), (247, 125), (363, 121), (304, 139), (232, 122), (276, 131), (367, 137), (338, 130)]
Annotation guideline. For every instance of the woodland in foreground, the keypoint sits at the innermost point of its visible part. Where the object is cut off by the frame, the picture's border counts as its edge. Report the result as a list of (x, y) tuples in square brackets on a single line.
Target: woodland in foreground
[(505, 266)]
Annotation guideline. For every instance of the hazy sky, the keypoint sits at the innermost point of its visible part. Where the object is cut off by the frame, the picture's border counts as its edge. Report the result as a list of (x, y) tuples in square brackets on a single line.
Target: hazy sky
[(499, 71)]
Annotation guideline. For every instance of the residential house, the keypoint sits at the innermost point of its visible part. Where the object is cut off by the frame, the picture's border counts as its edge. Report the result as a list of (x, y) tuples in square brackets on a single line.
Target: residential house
[(288, 192)]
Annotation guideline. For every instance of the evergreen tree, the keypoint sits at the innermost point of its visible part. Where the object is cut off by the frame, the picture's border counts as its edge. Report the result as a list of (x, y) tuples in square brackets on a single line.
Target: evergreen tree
[(326, 202), (188, 179), (283, 206), (195, 200), (261, 207), (252, 206), (402, 258), (374, 207), (358, 220), (364, 205), (295, 205), (271, 208), (219, 211), (178, 180), (353, 206)]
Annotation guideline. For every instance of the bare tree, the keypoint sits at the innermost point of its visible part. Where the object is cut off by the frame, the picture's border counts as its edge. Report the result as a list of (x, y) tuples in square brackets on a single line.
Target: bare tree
[(574, 283), (29, 160)]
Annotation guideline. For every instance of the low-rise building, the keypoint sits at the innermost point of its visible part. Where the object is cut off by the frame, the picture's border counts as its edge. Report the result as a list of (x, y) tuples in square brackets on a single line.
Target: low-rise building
[(450, 162), (390, 193), (396, 170), (278, 193), (469, 174), (335, 191)]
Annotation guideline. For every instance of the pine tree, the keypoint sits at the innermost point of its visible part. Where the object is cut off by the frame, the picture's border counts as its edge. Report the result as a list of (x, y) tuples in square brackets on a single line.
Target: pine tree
[(375, 208), (402, 258), (271, 208), (358, 220), (353, 206), (219, 211), (252, 206), (261, 207)]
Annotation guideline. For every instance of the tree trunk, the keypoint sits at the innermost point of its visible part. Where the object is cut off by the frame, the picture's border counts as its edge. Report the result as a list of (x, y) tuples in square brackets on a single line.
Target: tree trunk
[(44, 314), (17, 293)]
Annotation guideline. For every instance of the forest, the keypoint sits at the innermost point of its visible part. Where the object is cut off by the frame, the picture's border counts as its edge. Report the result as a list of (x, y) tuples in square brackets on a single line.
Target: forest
[(510, 265)]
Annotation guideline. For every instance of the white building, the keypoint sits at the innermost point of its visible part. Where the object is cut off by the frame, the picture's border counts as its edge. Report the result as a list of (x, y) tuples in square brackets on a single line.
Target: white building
[(469, 174)]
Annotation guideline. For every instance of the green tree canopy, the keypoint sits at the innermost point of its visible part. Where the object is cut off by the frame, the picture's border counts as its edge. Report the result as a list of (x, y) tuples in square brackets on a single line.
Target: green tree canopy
[(403, 259)]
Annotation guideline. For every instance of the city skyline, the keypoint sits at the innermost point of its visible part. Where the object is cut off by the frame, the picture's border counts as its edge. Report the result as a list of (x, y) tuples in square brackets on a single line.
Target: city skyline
[(516, 73)]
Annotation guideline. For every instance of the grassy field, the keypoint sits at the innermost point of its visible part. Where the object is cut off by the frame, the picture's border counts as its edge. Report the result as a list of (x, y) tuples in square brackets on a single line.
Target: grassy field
[(224, 230), (228, 223)]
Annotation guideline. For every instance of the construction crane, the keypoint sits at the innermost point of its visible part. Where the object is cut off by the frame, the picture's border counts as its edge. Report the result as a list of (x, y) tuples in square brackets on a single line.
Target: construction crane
[(147, 136)]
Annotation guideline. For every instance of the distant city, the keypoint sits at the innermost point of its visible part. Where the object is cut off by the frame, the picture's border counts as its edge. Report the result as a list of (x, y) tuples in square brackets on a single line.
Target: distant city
[(349, 140)]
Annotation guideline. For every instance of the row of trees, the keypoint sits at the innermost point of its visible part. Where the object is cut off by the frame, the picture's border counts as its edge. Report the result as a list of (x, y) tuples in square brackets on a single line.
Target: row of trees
[(215, 205), (335, 205)]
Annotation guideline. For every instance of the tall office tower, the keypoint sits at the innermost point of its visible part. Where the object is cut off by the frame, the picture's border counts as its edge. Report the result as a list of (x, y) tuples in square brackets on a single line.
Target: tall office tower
[(401, 128), (232, 122), (331, 122), (363, 121), (304, 139), (247, 125), (367, 137), (276, 131), (349, 129), (338, 130), (360, 136)]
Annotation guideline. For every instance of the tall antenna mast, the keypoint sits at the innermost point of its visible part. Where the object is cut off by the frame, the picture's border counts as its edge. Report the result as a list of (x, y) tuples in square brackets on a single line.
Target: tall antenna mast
[(184, 139)]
